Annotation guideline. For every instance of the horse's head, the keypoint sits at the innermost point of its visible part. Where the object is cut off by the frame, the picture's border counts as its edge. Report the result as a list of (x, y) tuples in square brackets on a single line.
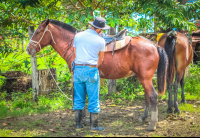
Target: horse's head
[(39, 39)]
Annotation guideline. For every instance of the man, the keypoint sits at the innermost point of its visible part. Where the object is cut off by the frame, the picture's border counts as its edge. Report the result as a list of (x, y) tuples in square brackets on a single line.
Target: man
[(89, 51)]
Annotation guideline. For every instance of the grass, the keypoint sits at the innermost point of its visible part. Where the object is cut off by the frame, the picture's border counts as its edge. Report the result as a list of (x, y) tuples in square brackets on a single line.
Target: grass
[(117, 123), (190, 108), (22, 104), (20, 133)]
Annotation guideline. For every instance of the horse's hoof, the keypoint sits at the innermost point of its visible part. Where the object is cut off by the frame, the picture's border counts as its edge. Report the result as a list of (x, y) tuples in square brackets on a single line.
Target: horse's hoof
[(183, 101), (177, 111), (169, 110), (151, 127), (140, 120)]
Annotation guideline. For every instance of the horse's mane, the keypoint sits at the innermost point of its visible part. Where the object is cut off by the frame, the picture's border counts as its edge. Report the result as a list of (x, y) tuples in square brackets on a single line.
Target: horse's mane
[(63, 25)]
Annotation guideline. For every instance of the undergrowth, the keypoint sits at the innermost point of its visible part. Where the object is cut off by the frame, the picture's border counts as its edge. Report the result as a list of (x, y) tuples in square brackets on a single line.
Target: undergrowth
[(22, 104)]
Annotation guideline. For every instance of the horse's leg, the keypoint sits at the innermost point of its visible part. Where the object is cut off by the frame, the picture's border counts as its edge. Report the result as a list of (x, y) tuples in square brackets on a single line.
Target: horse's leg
[(170, 102), (150, 97), (182, 83), (146, 109), (179, 75)]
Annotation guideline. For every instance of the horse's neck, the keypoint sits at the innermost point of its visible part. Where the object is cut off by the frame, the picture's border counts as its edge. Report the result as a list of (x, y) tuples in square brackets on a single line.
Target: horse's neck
[(64, 42)]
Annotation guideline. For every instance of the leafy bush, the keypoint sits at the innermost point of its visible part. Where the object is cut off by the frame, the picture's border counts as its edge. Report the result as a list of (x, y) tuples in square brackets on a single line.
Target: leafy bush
[(192, 82)]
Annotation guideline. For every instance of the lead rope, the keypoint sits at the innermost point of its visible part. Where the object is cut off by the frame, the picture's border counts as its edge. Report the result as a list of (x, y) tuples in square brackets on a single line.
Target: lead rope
[(35, 43)]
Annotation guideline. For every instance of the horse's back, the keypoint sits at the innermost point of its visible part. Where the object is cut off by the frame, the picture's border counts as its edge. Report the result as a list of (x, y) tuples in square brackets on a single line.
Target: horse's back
[(144, 46)]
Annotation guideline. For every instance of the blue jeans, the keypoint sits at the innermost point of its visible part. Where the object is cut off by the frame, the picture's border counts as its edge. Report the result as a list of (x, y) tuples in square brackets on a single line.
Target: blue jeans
[(86, 78)]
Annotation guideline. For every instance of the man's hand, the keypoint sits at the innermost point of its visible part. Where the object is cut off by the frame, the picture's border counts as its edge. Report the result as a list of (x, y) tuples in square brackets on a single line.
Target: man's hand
[(100, 60)]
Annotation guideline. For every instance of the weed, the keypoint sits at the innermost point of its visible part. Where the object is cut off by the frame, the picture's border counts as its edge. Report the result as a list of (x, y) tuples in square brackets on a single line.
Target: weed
[(22, 104), (117, 123), (129, 125), (21, 133), (154, 135), (189, 108)]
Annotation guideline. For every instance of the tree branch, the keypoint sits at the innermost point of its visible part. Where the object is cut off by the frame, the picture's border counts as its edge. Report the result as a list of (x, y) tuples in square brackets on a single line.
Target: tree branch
[(74, 4), (98, 5), (24, 20), (82, 4), (103, 8)]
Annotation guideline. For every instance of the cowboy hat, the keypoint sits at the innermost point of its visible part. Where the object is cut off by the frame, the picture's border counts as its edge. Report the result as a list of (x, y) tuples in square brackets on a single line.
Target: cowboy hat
[(100, 23)]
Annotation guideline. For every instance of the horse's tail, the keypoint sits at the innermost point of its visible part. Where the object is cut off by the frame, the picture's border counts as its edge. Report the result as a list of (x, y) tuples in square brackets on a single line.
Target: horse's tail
[(170, 50), (162, 70)]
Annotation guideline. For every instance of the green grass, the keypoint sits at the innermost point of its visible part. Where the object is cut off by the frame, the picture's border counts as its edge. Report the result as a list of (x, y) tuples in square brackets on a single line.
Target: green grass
[(189, 108), (20, 133), (154, 135), (117, 123), (22, 104)]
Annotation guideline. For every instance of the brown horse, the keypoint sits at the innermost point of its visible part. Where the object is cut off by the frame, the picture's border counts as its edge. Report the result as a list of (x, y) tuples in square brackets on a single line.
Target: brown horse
[(180, 53), (139, 56)]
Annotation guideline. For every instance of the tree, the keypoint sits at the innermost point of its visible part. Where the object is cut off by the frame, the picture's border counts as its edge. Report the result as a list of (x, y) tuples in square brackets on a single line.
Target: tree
[(17, 15)]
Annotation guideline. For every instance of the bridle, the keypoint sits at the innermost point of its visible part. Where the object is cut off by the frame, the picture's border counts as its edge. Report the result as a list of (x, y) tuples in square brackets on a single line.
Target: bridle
[(35, 43)]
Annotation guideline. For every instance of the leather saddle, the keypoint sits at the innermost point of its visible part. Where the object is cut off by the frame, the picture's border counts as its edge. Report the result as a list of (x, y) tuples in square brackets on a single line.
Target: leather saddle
[(117, 42), (118, 37)]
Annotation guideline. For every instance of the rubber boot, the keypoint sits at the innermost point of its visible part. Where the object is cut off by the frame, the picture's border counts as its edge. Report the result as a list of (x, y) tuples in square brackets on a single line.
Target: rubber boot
[(94, 122), (79, 119)]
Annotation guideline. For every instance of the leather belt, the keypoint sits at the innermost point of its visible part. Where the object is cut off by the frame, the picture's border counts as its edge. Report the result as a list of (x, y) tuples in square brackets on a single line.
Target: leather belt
[(85, 65)]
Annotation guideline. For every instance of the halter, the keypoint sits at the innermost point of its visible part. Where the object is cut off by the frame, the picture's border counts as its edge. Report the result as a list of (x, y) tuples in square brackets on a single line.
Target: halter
[(35, 43)]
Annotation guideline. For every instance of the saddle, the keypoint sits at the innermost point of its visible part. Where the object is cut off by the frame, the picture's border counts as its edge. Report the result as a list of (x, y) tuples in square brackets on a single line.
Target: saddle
[(118, 37), (117, 41)]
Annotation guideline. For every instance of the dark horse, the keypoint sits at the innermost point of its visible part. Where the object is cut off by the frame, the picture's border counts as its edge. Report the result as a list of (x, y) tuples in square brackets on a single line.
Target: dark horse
[(180, 53), (139, 56)]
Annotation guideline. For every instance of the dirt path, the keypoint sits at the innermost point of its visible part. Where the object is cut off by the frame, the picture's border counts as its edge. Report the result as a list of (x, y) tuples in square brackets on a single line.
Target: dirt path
[(117, 120)]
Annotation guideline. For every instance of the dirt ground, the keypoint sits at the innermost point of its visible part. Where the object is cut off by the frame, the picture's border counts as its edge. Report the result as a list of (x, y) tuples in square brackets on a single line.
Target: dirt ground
[(118, 121)]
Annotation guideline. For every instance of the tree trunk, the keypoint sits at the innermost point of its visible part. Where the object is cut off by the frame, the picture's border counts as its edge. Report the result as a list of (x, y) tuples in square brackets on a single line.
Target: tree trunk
[(34, 70), (111, 83), (46, 82)]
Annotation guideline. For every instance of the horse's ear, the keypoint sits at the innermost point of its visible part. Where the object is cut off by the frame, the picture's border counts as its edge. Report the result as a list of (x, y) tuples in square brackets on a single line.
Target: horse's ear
[(47, 21)]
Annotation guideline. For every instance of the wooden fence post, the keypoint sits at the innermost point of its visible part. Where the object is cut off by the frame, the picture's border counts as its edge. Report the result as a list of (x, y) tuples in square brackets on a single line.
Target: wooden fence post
[(34, 70), (111, 83)]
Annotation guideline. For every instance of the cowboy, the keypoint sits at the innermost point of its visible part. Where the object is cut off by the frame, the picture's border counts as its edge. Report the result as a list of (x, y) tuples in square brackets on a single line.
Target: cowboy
[(89, 50)]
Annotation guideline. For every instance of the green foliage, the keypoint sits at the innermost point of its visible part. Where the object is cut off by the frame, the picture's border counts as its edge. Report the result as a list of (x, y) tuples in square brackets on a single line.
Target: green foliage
[(127, 91), (191, 82), (22, 104)]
